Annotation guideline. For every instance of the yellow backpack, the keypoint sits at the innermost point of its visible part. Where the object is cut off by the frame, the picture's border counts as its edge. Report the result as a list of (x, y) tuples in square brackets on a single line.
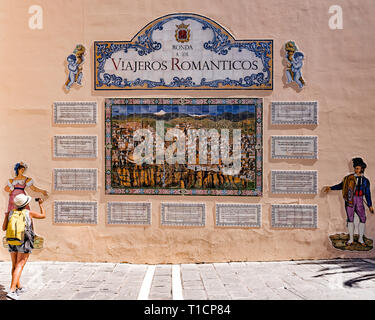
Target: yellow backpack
[(15, 234)]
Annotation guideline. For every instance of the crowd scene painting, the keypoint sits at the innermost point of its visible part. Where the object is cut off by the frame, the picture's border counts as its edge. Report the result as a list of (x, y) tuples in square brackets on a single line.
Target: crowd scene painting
[(125, 173)]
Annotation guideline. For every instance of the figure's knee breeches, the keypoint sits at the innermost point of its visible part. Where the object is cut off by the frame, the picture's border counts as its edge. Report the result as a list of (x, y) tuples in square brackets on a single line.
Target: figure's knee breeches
[(362, 218), (357, 208), (349, 213), (360, 208)]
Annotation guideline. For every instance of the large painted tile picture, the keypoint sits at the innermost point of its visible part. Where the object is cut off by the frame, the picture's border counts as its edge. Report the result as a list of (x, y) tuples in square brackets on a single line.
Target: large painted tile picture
[(185, 146)]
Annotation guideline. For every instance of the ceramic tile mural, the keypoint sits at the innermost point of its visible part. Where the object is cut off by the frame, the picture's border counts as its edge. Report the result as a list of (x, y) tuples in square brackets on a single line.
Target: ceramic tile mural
[(184, 146)]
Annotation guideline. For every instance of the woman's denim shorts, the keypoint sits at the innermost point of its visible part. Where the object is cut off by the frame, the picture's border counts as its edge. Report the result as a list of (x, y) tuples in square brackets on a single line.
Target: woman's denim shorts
[(20, 248)]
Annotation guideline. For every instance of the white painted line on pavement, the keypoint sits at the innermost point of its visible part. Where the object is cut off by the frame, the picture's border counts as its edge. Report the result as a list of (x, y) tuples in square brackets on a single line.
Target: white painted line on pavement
[(369, 261), (146, 284), (176, 283)]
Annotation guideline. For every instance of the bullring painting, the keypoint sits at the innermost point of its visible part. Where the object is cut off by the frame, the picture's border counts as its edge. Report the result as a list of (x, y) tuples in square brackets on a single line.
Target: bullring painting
[(181, 146)]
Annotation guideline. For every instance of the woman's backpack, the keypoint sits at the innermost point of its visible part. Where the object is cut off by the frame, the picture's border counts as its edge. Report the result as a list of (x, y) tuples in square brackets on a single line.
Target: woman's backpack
[(15, 234)]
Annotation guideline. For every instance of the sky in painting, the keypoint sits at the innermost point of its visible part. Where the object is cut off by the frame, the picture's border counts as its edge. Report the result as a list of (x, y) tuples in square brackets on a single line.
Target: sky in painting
[(186, 109)]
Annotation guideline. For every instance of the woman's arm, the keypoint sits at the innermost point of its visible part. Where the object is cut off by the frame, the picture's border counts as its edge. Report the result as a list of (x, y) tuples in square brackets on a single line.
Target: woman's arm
[(9, 187), (36, 189), (5, 222), (38, 215)]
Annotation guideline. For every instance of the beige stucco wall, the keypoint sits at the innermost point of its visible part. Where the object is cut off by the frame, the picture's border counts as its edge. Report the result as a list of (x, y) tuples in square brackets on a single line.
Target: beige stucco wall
[(338, 69)]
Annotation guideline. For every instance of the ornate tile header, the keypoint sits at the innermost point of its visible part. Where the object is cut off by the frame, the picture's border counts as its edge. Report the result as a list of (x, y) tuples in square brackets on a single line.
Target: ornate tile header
[(183, 51)]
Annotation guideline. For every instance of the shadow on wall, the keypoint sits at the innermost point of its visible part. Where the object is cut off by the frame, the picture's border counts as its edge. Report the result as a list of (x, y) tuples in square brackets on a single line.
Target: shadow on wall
[(340, 266), (3, 293)]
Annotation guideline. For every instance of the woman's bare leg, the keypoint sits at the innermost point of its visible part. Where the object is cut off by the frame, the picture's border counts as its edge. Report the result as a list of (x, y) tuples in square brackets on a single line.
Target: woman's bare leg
[(16, 275), (13, 256)]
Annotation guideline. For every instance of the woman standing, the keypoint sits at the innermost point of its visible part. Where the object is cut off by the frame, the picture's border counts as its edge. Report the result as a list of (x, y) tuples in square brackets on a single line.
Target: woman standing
[(20, 253), (18, 184), (16, 187)]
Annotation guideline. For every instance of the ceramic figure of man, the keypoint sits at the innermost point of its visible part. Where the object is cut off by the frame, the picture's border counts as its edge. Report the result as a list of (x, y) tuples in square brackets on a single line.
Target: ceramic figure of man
[(354, 187)]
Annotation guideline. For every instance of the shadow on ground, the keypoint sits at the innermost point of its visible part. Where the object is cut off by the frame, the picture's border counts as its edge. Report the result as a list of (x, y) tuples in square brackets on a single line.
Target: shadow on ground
[(3, 293), (333, 267)]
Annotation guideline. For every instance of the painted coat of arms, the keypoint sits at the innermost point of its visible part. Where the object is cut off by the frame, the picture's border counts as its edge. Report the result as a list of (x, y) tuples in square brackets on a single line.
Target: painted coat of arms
[(182, 33)]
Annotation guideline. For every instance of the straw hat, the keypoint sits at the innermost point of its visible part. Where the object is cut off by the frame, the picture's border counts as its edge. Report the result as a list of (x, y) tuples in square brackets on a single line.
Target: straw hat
[(21, 200)]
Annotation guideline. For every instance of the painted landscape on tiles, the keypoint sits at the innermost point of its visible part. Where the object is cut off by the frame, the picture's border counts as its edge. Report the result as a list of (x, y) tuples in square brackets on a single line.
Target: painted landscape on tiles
[(184, 146)]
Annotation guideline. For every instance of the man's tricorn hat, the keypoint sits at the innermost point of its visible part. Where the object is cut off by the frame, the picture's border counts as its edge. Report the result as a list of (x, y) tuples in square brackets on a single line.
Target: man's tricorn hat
[(359, 162)]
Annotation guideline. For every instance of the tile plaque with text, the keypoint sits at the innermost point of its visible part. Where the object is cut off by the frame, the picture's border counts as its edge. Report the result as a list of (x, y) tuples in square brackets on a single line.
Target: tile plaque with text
[(76, 212), (238, 215), (183, 214), (294, 216), (294, 112), (75, 146), (294, 182), (75, 179), (75, 112), (294, 147), (129, 213)]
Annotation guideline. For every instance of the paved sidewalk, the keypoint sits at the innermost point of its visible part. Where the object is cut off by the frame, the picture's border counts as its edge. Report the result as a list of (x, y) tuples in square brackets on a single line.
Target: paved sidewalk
[(288, 280)]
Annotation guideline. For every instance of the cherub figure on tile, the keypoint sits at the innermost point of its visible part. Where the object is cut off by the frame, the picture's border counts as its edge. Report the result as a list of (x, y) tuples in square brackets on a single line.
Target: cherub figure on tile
[(75, 61), (295, 62)]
